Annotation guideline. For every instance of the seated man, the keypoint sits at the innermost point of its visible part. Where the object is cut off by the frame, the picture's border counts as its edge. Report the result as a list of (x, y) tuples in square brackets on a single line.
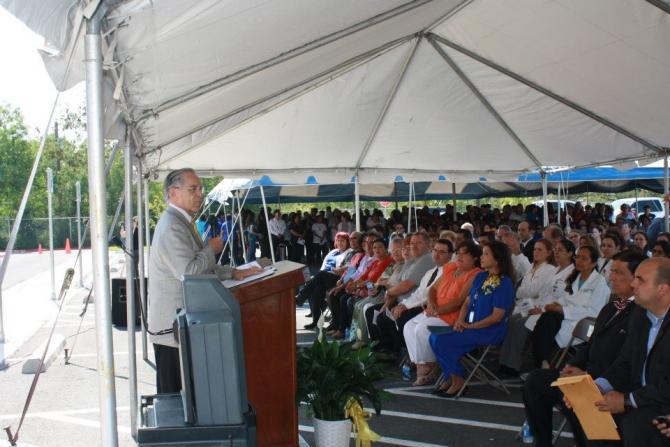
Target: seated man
[(637, 387), (593, 357), (404, 307)]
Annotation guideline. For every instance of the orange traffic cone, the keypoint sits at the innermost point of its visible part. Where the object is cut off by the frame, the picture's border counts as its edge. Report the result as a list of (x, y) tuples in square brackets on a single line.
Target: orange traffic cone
[(68, 249), (39, 249)]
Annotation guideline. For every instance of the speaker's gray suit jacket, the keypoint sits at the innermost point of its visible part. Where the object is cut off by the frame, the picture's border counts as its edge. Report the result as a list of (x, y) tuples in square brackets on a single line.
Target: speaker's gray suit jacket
[(176, 250)]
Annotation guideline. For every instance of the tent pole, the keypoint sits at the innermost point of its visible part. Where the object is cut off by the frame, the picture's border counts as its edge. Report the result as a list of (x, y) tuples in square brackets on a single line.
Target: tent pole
[(453, 200), (147, 227), (409, 210), (416, 217), (558, 190), (241, 220), (98, 208), (140, 256), (637, 207), (666, 184), (130, 284), (357, 204), (545, 210), (267, 225)]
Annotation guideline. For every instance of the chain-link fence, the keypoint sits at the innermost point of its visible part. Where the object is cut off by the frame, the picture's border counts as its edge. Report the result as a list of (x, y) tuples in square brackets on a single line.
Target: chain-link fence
[(35, 231)]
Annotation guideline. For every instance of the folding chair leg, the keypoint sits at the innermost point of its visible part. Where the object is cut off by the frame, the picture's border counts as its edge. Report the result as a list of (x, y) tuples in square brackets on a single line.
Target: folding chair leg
[(472, 373), (440, 380), (557, 433)]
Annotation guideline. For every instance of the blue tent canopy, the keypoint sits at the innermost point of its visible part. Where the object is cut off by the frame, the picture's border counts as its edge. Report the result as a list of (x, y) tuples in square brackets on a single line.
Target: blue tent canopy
[(601, 179)]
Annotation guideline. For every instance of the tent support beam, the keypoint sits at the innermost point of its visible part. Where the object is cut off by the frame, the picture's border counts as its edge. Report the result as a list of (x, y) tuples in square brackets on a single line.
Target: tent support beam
[(253, 69), (310, 84), (357, 204), (546, 92), (447, 16), (98, 207), (130, 283), (140, 255), (545, 208), (660, 5), (267, 225), (453, 199), (389, 101), (341, 170), (484, 102)]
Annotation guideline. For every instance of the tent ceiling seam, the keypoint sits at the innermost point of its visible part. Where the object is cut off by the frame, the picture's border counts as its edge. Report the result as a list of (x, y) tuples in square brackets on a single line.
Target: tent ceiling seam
[(320, 79), (545, 91), (288, 55), (389, 101), (485, 102)]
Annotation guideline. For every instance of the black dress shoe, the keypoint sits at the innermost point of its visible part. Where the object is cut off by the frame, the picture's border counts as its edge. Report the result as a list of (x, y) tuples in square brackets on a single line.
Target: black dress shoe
[(309, 315), (451, 395), (310, 326)]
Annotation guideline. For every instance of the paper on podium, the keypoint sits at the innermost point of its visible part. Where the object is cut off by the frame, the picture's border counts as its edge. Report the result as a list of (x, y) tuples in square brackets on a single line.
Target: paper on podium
[(230, 283), (583, 393)]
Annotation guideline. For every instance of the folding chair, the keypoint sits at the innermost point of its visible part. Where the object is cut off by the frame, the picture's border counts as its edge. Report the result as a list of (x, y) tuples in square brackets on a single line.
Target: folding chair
[(477, 368), (581, 332)]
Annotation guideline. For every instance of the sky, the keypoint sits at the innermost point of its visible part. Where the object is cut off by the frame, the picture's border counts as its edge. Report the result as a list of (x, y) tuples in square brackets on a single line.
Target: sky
[(24, 82)]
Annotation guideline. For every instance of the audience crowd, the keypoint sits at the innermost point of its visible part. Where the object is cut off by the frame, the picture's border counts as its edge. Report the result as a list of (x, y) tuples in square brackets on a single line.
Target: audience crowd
[(494, 277)]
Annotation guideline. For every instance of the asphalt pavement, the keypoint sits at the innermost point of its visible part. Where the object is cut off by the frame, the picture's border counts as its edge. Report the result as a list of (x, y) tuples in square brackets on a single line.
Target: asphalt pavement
[(65, 410)]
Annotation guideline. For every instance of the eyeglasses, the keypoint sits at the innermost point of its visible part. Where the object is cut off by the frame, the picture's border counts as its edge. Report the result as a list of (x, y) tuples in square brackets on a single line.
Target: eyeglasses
[(192, 189)]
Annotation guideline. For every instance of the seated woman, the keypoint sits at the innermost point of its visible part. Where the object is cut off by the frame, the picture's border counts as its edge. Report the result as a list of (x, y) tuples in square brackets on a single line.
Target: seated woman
[(611, 244), (586, 293), (445, 299), (337, 297), (642, 242), (334, 264), (661, 249), (535, 286), (362, 288), (482, 319), (390, 276)]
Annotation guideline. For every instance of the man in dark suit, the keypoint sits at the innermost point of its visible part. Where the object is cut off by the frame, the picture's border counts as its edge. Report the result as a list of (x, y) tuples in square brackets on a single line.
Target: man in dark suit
[(593, 357), (527, 241), (636, 387)]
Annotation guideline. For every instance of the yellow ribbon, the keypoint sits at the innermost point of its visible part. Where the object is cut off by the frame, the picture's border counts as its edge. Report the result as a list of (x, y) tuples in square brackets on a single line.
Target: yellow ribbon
[(364, 435)]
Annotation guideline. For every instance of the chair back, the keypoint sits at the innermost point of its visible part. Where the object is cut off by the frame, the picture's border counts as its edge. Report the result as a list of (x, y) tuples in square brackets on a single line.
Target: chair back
[(584, 329)]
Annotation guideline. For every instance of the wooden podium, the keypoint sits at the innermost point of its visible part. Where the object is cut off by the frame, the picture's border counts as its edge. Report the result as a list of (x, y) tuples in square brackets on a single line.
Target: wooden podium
[(268, 327)]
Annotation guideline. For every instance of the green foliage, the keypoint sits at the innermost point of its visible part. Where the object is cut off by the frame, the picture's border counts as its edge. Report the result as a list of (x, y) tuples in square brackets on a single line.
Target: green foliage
[(329, 374)]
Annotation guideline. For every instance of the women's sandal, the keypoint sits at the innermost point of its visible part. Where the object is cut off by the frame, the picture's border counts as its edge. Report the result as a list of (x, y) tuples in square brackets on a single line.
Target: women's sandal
[(427, 379)]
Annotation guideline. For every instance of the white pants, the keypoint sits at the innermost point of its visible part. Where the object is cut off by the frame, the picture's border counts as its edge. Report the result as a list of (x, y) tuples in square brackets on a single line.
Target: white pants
[(416, 335)]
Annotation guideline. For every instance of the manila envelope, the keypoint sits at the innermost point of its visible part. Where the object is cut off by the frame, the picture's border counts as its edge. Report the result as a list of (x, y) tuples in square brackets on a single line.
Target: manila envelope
[(583, 393)]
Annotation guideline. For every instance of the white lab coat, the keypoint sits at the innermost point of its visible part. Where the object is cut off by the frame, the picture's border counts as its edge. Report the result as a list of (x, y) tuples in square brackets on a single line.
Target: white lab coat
[(582, 303)]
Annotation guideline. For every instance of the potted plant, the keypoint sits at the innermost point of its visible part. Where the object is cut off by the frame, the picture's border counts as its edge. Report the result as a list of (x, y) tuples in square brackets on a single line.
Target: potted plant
[(333, 378)]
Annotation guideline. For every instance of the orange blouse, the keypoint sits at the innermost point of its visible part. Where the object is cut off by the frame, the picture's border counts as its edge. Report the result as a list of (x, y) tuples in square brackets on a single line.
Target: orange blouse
[(451, 288)]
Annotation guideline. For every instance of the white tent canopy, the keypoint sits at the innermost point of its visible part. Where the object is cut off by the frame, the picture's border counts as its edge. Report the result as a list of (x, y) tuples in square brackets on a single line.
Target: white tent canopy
[(378, 88)]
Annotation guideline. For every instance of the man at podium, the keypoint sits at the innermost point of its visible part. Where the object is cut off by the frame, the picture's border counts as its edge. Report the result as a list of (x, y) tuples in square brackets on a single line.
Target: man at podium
[(176, 250)]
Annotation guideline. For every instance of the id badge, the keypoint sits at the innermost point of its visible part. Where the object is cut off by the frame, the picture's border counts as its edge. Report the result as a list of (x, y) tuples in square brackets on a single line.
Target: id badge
[(471, 316)]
